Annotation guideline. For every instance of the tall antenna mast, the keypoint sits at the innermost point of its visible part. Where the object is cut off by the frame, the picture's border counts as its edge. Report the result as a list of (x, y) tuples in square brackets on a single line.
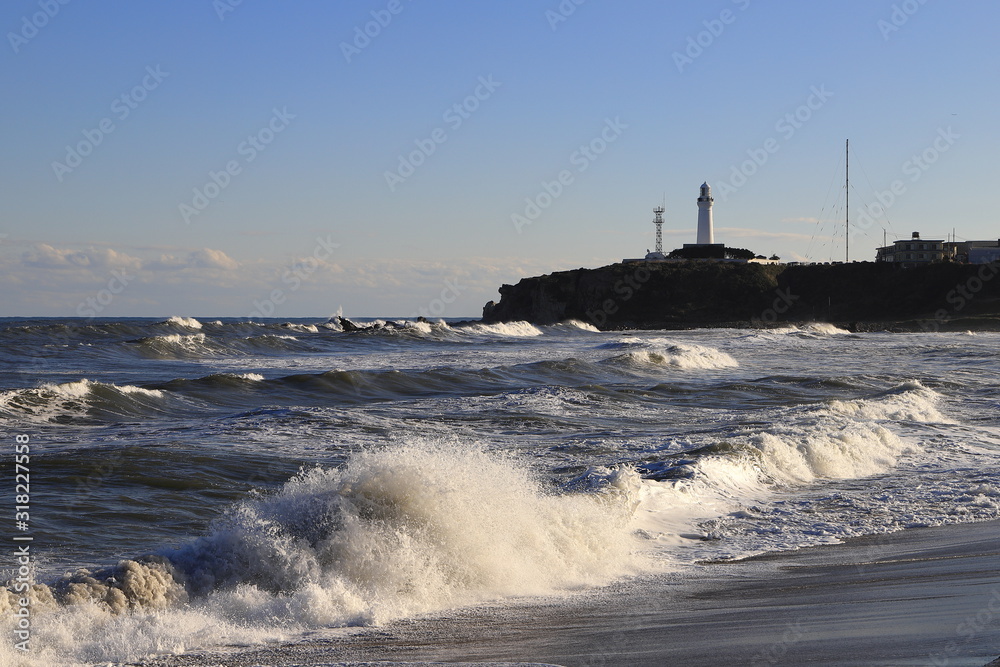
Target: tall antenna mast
[(658, 221), (847, 206)]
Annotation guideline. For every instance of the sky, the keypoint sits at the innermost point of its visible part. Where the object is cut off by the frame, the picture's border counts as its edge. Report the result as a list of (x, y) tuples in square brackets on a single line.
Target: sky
[(243, 158)]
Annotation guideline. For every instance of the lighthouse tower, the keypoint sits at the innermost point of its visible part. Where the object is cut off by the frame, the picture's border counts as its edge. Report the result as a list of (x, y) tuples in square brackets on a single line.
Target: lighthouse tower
[(706, 233)]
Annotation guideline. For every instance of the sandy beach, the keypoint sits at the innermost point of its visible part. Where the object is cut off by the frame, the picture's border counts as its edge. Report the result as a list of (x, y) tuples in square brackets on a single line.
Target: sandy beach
[(928, 596)]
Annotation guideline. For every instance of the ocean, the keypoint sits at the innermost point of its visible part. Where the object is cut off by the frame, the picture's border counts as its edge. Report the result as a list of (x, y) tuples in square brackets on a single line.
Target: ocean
[(206, 486)]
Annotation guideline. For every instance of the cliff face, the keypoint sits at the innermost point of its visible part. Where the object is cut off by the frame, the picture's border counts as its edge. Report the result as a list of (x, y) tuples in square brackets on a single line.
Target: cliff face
[(691, 294)]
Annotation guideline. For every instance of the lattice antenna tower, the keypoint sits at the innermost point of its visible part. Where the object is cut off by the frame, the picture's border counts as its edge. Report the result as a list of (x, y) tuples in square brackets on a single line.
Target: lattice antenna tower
[(658, 221)]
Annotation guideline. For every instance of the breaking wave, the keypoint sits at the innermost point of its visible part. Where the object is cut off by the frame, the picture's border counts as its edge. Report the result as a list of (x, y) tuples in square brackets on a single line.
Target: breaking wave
[(911, 401), (193, 346), (183, 322), (677, 355), (408, 529), (507, 329), (80, 400), (706, 491)]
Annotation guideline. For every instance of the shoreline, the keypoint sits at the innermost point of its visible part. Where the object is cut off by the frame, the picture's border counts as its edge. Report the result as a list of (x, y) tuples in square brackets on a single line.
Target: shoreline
[(924, 325), (922, 596)]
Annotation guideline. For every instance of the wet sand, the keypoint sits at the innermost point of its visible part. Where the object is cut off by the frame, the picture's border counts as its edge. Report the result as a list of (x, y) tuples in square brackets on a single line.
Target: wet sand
[(928, 596)]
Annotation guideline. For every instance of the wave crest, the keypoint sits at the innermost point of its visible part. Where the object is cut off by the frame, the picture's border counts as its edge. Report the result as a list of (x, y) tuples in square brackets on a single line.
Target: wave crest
[(182, 322), (910, 401), (677, 355), (79, 399), (414, 528)]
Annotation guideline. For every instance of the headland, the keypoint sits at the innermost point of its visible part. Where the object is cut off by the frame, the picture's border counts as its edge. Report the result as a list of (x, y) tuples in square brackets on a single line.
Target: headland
[(860, 296)]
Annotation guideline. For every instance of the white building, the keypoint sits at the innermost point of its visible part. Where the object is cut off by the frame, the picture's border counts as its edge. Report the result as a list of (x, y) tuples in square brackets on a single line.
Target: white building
[(709, 249), (913, 251), (706, 228)]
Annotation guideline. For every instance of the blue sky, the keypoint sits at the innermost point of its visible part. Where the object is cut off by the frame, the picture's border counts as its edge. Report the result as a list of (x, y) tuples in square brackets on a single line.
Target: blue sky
[(203, 158)]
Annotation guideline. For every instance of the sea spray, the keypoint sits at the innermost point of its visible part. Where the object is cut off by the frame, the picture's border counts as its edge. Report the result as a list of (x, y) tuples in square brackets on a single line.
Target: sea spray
[(704, 493), (412, 528), (404, 529)]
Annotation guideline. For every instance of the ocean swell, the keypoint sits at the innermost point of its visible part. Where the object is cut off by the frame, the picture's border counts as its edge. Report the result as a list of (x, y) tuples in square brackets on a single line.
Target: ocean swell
[(407, 529)]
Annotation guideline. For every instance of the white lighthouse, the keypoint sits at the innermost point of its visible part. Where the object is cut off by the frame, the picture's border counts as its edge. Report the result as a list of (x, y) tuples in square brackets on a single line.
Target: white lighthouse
[(706, 233)]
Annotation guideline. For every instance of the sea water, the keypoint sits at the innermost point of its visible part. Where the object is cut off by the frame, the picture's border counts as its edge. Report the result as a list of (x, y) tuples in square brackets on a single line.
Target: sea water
[(199, 484)]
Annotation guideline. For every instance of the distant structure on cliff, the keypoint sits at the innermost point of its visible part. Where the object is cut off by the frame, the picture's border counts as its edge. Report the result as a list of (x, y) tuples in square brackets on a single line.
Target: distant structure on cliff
[(658, 249), (916, 251), (706, 224), (706, 248), (706, 230)]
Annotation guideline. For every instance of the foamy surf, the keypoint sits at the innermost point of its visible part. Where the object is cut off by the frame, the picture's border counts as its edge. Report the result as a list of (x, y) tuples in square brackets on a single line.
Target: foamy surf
[(183, 322), (910, 401), (810, 439), (408, 529), (79, 399), (679, 355), (685, 498), (506, 329)]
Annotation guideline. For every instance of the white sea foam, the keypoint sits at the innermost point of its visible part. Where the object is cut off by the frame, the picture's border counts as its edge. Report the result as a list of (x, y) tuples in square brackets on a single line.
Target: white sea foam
[(75, 398), (584, 326), (808, 445), (422, 327), (910, 401), (807, 330), (195, 343), (680, 355), (512, 329), (824, 328), (306, 328), (186, 322), (408, 529)]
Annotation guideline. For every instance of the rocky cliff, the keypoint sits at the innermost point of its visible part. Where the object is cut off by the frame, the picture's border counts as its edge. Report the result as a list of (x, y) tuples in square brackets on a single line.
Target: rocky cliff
[(861, 295)]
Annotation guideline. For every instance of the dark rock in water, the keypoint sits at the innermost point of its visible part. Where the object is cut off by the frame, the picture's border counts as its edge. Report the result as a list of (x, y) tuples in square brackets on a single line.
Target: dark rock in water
[(861, 296), (348, 325)]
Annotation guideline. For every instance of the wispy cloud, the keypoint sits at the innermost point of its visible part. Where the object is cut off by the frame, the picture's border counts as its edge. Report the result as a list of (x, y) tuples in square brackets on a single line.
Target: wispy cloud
[(45, 256), (49, 279)]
